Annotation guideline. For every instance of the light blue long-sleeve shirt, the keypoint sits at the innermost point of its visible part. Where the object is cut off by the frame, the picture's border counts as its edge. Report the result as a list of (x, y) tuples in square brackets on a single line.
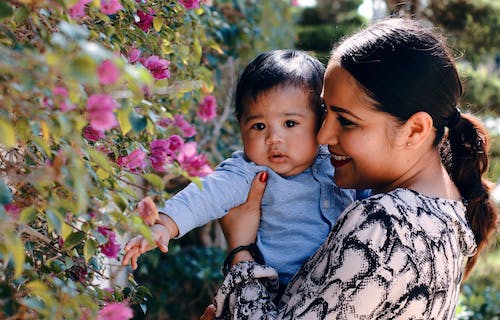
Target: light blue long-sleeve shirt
[(297, 211)]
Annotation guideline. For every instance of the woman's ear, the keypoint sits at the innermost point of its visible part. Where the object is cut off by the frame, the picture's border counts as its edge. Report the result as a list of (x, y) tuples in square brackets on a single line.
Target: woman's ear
[(418, 128)]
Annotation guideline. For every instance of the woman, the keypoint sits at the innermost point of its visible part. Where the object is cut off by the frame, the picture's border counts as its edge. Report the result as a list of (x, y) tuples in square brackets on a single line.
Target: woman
[(392, 125)]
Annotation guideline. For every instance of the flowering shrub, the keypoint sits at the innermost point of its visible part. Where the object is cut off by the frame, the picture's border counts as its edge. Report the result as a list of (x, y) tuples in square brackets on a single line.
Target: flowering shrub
[(100, 104)]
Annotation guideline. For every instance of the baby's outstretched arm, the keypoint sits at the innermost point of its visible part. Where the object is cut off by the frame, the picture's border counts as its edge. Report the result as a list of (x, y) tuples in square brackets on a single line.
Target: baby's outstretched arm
[(163, 228)]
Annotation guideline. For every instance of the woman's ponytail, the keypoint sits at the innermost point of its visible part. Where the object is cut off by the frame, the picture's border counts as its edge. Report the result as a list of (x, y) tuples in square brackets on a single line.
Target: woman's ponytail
[(469, 146)]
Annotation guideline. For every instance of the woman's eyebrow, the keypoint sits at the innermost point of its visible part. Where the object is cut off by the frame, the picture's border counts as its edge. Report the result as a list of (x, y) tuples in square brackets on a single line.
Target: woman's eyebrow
[(342, 110)]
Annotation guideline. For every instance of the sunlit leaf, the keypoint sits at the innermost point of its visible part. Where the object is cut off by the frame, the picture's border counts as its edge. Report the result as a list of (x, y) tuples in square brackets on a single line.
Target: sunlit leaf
[(157, 23), (28, 215), (99, 158), (155, 180), (120, 202), (124, 120), (7, 134), (16, 249)]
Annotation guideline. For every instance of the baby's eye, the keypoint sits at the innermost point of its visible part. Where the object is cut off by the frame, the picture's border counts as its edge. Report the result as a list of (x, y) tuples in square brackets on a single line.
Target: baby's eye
[(259, 126), (344, 122), (290, 123)]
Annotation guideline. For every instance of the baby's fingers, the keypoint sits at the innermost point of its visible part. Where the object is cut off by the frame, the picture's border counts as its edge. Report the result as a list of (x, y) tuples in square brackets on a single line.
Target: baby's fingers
[(134, 242)]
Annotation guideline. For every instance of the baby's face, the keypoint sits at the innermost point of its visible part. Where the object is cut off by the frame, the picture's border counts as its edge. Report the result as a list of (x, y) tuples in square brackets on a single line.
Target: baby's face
[(279, 130)]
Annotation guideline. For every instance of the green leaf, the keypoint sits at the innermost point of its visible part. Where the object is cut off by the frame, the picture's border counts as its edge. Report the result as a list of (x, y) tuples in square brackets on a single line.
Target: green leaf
[(155, 180), (73, 240), (197, 182), (27, 215), (5, 193), (120, 202), (89, 249), (15, 247), (5, 10), (124, 120), (7, 134), (99, 158), (157, 23), (55, 220), (33, 303)]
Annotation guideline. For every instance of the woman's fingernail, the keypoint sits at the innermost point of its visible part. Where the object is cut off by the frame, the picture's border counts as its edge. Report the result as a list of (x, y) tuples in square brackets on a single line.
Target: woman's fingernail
[(263, 177)]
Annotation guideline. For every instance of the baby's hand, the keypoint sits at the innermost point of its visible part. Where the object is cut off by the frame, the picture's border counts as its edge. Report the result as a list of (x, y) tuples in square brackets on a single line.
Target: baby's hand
[(138, 245)]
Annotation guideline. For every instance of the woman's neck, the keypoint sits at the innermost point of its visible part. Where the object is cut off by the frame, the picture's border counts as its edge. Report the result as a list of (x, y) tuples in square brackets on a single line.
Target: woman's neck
[(428, 176)]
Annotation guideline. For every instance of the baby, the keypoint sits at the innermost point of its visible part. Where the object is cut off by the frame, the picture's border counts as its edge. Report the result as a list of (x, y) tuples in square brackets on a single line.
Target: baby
[(279, 110)]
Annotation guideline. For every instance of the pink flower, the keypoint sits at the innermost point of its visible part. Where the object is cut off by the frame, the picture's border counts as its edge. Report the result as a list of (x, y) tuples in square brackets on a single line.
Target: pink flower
[(107, 72), (91, 134), (134, 55), (194, 164), (163, 151), (133, 161), (187, 129), (100, 111), (60, 93), (12, 209), (110, 249), (206, 109), (115, 311), (110, 6), (158, 67), (295, 3), (145, 19), (78, 10), (190, 4)]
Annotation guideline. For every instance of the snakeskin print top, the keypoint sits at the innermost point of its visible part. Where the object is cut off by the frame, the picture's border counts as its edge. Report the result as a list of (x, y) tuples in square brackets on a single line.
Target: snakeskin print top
[(396, 255)]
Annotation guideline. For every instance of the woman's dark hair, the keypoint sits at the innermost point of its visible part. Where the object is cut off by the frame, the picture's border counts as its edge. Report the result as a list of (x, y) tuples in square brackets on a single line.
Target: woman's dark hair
[(280, 68), (407, 68)]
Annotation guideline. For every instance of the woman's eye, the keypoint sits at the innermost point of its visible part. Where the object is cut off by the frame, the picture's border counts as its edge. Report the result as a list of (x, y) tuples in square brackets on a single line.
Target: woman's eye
[(290, 123), (258, 126), (344, 122)]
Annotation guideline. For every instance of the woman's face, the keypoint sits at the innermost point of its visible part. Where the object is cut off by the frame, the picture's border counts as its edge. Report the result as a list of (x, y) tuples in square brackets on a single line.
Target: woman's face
[(366, 151)]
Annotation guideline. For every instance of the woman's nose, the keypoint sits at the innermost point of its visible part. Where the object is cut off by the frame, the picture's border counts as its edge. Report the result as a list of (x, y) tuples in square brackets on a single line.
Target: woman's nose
[(328, 133)]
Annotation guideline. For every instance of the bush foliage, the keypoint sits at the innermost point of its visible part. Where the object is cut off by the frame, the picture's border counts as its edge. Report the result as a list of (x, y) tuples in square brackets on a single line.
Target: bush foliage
[(102, 103)]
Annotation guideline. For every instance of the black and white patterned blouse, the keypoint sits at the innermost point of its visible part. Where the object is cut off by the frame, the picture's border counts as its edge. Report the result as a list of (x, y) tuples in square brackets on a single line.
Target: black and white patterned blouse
[(397, 255)]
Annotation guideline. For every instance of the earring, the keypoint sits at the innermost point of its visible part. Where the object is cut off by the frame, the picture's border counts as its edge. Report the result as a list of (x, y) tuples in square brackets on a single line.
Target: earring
[(408, 144)]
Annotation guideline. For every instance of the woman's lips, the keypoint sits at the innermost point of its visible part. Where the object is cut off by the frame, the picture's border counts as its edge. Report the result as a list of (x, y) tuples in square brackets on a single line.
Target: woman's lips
[(338, 160)]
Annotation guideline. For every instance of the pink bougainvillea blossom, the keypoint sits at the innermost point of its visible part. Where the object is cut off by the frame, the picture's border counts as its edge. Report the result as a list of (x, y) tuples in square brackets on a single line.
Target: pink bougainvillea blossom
[(107, 72), (163, 151), (194, 164), (187, 129), (12, 210), (61, 96), (134, 161), (190, 4), (207, 108), (91, 134), (133, 55), (78, 10), (158, 67), (111, 248), (115, 311), (295, 3), (145, 19), (100, 111), (110, 6)]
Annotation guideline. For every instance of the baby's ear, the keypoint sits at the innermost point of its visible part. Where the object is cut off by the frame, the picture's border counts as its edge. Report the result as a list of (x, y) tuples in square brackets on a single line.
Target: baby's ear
[(417, 129)]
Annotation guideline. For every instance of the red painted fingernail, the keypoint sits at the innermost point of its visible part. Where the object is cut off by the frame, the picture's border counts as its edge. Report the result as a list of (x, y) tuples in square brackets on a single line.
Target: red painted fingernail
[(263, 177)]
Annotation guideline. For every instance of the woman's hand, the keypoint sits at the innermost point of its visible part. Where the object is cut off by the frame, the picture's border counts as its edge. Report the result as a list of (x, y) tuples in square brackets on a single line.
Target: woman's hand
[(241, 223)]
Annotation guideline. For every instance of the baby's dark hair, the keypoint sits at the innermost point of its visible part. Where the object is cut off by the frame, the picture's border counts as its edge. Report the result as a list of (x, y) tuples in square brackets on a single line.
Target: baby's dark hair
[(278, 68), (407, 68)]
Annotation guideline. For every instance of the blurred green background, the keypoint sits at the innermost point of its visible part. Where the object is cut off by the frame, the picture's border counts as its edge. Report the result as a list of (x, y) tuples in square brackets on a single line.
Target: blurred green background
[(183, 281)]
